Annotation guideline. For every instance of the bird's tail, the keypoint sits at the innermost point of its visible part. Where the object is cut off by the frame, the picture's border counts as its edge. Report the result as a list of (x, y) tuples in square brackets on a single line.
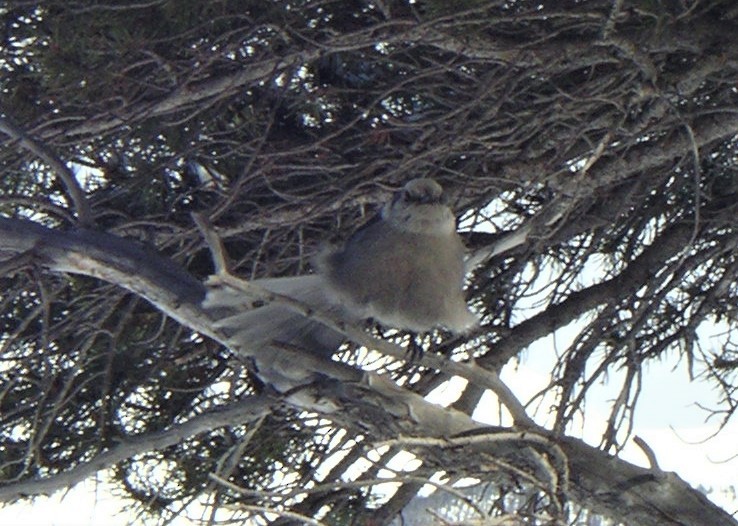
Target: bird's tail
[(276, 323)]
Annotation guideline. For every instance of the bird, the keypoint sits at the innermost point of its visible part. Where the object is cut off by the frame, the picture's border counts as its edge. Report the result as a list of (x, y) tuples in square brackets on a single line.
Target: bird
[(403, 269)]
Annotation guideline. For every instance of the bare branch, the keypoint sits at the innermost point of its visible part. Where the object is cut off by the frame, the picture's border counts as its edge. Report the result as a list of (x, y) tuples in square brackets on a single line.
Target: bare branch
[(245, 411), (43, 152)]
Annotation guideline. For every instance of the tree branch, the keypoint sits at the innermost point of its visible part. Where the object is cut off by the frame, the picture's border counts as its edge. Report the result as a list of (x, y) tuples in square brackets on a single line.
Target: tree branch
[(84, 214), (236, 414), (670, 243)]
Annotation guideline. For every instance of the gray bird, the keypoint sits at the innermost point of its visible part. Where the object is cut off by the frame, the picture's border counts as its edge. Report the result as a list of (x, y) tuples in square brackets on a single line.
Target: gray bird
[(404, 269)]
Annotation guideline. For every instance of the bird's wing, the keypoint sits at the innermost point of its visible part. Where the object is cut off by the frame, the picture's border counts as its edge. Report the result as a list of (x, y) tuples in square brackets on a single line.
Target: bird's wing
[(277, 323)]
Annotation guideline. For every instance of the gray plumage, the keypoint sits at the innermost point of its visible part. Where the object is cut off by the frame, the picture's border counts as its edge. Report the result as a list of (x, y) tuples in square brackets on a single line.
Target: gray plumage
[(405, 269)]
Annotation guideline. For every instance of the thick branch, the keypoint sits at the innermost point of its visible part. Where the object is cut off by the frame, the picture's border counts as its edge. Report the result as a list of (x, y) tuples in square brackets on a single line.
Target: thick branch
[(650, 155), (670, 243), (116, 260)]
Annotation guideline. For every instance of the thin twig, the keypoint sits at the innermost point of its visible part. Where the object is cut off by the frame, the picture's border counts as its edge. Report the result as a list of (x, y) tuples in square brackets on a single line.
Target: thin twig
[(214, 242), (650, 455), (43, 152)]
